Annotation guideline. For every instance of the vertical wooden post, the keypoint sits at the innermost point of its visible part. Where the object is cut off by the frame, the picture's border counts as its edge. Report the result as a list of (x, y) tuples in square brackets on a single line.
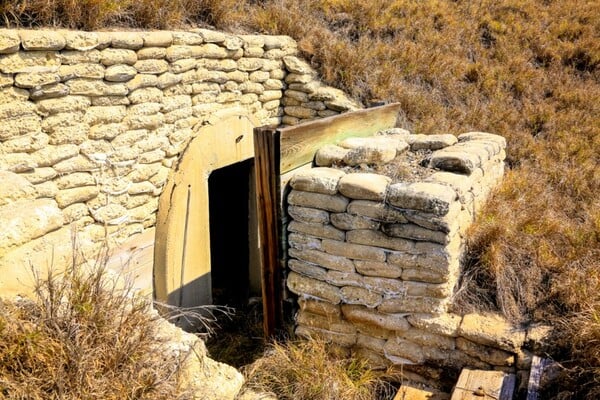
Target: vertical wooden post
[(267, 167)]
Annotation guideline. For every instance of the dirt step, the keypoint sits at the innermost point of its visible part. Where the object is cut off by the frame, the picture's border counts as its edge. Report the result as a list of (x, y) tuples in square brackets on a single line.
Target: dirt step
[(478, 385)]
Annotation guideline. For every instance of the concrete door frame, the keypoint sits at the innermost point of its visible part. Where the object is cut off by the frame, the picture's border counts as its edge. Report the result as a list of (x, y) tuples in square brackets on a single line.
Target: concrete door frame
[(182, 246)]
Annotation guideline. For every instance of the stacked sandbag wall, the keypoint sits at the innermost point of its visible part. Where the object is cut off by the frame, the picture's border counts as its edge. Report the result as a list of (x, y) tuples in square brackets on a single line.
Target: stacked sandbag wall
[(374, 263)]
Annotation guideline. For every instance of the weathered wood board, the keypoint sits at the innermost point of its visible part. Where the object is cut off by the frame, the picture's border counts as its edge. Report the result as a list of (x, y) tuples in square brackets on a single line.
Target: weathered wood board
[(538, 365), (411, 393), (299, 143), (477, 385)]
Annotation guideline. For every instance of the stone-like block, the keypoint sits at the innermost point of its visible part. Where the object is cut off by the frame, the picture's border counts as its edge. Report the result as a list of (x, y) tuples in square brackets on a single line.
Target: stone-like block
[(425, 275), (424, 196), (328, 323), (386, 286), (300, 241), (309, 215), (339, 278), (444, 324), (333, 203), (379, 239), (483, 136), (26, 143), (95, 87), (119, 73), (365, 315), (413, 304), (486, 354), (320, 307), (9, 41), (491, 330), (430, 142), (14, 187), (329, 155), (400, 351), (364, 186), (78, 163), (436, 263), (80, 40), (415, 232), (39, 175), (74, 180), (353, 251), (67, 197), (358, 295), (428, 339), (317, 230), (41, 40), (376, 210), (323, 259), (349, 222), (379, 269), (336, 338), (306, 269), (51, 155), (318, 180), (146, 95), (428, 289), (157, 39), (304, 286), (35, 79), (111, 56), (19, 227), (455, 160), (373, 153), (151, 66)]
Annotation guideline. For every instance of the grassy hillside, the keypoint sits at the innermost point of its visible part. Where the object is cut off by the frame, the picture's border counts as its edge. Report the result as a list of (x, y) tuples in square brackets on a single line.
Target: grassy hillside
[(525, 69)]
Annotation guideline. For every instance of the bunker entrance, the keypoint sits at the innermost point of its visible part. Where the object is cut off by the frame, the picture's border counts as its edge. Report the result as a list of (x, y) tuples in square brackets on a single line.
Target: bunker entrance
[(235, 270)]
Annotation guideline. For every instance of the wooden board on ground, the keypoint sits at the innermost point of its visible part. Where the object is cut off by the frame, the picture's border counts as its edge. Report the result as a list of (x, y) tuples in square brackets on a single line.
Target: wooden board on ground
[(538, 365), (300, 142), (477, 385), (412, 393)]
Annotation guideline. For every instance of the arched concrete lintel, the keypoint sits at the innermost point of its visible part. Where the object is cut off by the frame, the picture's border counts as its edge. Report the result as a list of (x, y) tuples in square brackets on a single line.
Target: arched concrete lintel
[(182, 244)]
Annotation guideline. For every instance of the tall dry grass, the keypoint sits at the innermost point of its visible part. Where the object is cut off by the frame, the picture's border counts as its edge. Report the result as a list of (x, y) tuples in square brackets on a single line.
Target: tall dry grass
[(84, 337), (307, 371)]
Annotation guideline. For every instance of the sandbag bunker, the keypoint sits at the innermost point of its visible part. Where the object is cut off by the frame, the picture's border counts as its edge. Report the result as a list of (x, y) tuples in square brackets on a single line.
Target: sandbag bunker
[(376, 237)]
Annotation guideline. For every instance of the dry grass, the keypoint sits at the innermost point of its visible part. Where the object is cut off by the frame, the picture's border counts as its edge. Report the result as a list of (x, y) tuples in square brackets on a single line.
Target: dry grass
[(83, 338), (306, 371), (99, 14), (527, 69)]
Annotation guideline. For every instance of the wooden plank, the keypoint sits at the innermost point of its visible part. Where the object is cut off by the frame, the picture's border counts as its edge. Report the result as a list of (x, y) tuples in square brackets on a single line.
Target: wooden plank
[(538, 365), (407, 392), (508, 387), (477, 385), (299, 143), (266, 164)]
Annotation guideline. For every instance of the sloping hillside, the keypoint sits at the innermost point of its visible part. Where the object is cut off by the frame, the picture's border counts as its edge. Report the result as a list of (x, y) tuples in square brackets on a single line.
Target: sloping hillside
[(528, 70)]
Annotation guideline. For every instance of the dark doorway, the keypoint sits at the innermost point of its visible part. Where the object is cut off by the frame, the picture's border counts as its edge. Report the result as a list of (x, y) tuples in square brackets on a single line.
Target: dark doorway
[(232, 233), (235, 269)]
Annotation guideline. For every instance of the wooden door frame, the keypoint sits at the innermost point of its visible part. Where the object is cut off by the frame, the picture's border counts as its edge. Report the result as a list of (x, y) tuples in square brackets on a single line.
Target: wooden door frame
[(279, 152)]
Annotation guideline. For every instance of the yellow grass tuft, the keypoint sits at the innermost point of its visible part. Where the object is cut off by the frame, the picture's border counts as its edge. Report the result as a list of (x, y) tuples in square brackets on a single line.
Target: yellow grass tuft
[(83, 338), (307, 371)]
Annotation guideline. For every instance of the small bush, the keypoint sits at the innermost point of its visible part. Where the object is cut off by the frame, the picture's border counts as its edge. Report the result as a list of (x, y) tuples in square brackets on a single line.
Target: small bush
[(306, 371), (82, 337)]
